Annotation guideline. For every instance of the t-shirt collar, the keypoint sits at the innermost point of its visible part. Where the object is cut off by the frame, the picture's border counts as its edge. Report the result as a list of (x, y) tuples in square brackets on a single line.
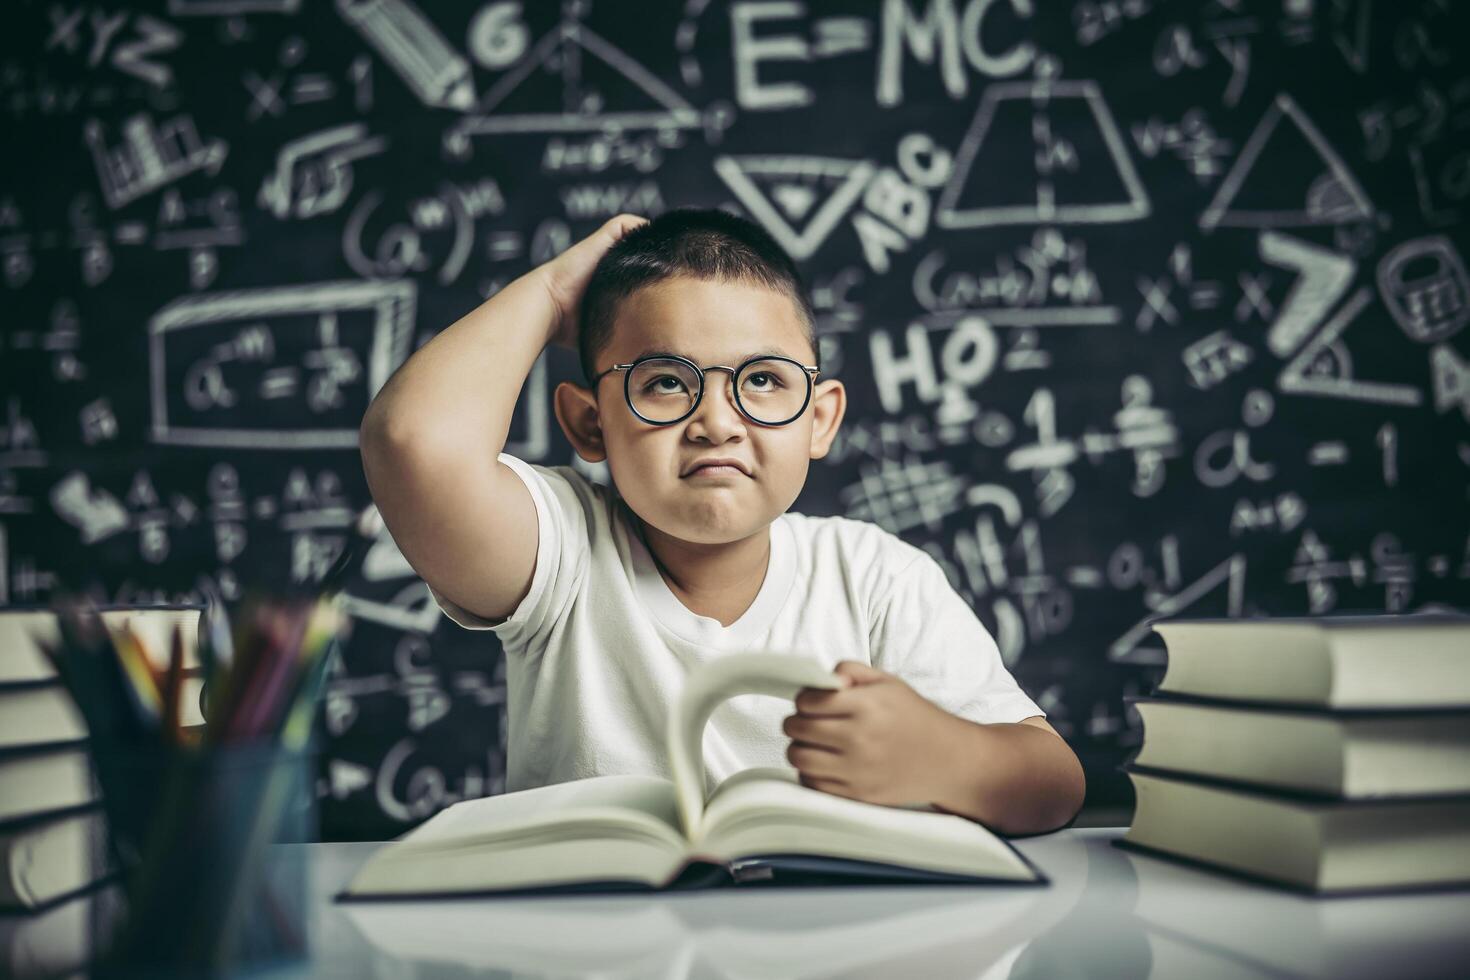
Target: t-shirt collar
[(688, 625)]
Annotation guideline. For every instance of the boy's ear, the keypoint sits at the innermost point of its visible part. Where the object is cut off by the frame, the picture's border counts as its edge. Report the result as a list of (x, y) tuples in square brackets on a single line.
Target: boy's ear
[(829, 405), (576, 410)]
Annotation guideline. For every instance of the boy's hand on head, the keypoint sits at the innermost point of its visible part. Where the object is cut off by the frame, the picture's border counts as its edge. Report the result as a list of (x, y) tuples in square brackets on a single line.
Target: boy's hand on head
[(876, 740), (566, 276)]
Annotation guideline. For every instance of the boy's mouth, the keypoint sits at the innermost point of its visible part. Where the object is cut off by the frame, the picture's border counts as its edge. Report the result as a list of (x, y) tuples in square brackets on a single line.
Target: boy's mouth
[(714, 471), (718, 466)]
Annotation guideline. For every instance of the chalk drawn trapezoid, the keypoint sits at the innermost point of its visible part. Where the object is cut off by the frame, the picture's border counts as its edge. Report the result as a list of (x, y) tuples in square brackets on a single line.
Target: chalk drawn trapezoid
[(1095, 124)]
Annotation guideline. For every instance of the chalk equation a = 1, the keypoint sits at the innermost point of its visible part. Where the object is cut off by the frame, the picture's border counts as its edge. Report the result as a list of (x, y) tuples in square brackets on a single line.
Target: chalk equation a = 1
[(286, 367)]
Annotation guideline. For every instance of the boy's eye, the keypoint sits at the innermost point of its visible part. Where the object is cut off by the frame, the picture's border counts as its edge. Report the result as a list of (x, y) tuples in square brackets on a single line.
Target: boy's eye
[(660, 380)]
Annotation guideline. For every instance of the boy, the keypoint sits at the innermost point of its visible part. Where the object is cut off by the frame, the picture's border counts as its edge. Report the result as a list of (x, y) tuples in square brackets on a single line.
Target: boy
[(603, 598)]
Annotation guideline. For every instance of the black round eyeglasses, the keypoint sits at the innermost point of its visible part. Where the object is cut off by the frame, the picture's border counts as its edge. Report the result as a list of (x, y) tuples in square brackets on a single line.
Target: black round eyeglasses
[(662, 389)]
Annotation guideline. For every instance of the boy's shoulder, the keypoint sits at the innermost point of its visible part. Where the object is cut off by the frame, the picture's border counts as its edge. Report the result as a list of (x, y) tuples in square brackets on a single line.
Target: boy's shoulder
[(568, 491), (565, 473), (572, 480)]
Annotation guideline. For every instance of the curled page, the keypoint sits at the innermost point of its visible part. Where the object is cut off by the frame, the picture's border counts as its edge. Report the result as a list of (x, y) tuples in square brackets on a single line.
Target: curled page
[(781, 675)]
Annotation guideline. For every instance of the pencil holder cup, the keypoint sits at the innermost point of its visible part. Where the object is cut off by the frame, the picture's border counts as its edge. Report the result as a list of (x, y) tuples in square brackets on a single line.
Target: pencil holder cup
[(192, 829)]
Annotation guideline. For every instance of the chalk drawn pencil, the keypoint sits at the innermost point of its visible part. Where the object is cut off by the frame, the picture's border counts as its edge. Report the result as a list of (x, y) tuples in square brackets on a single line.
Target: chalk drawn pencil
[(407, 40)]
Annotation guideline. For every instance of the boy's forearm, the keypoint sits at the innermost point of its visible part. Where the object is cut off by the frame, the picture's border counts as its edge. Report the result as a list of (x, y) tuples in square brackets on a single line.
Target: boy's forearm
[(1014, 778), (462, 386)]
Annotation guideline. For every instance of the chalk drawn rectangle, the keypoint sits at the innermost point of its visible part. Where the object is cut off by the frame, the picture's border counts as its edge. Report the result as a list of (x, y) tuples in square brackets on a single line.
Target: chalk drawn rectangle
[(379, 314)]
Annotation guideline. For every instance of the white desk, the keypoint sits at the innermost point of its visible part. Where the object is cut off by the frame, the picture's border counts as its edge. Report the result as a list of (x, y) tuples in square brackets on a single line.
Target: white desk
[(1107, 913)]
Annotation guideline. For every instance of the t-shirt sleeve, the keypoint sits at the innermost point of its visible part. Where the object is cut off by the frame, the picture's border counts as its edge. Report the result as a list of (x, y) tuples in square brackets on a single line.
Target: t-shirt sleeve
[(926, 634), (562, 549)]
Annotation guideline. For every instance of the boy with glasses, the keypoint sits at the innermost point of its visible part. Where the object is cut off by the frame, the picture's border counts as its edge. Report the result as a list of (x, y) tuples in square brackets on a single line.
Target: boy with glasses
[(706, 400)]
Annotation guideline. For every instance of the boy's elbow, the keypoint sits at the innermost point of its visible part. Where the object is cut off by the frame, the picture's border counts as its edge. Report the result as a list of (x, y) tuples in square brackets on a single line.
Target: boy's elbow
[(381, 433), (1072, 790), (1061, 799), (370, 429)]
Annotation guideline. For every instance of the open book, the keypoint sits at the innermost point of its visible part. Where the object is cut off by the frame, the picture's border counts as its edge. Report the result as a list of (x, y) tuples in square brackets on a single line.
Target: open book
[(641, 832)]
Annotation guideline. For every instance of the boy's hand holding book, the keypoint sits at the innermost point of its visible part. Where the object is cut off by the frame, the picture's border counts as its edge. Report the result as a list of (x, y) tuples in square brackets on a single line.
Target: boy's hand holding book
[(876, 740)]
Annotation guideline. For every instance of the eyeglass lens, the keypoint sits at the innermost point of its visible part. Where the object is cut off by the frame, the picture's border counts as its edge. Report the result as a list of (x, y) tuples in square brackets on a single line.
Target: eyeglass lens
[(771, 390)]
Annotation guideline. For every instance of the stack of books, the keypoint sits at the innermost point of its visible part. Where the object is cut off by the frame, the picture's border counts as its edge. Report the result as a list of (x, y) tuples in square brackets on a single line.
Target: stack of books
[(60, 939), (52, 832), (1329, 755)]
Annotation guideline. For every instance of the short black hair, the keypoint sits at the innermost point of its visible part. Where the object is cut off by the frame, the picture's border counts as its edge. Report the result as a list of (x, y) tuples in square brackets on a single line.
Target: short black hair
[(701, 243)]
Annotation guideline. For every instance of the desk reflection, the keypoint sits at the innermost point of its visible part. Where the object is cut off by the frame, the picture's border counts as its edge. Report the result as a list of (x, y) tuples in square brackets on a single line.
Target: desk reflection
[(1200, 923), (783, 933), (1107, 913)]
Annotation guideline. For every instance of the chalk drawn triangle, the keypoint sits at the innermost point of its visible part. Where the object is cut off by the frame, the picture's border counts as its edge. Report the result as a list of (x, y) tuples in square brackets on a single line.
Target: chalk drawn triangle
[(573, 80), (1041, 152), (1451, 381), (1324, 366), (412, 609), (1229, 574), (781, 193), (384, 559), (1286, 175)]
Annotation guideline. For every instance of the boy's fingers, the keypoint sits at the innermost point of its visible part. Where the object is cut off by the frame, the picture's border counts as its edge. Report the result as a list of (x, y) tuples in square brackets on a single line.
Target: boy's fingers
[(612, 231), (834, 786), (823, 733), (566, 276), (621, 224), (813, 761), (855, 672), (820, 702)]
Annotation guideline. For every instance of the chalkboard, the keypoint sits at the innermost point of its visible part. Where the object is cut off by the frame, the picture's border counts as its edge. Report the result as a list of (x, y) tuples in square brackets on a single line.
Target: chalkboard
[(1143, 308)]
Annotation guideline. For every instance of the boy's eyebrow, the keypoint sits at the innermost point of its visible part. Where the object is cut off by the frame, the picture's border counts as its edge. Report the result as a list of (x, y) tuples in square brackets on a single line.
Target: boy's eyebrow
[(765, 352)]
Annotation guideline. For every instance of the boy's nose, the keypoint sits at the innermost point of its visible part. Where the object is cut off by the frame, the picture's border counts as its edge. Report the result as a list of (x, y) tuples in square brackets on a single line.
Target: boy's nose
[(718, 407)]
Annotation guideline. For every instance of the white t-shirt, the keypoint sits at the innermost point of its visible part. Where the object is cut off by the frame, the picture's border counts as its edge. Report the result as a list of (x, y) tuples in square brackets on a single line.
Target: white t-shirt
[(598, 650)]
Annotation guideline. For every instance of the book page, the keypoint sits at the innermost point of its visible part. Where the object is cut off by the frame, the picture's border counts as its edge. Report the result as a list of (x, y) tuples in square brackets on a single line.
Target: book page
[(619, 799), (781, 675), (602, 828), (768, 811)]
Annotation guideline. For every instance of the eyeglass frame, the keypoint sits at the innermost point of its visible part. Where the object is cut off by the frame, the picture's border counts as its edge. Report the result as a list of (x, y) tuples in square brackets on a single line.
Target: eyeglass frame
[(810, 370)]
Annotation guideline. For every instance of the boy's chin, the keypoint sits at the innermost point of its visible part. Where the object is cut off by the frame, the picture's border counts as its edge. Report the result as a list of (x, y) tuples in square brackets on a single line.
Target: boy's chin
[(704, 534)]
